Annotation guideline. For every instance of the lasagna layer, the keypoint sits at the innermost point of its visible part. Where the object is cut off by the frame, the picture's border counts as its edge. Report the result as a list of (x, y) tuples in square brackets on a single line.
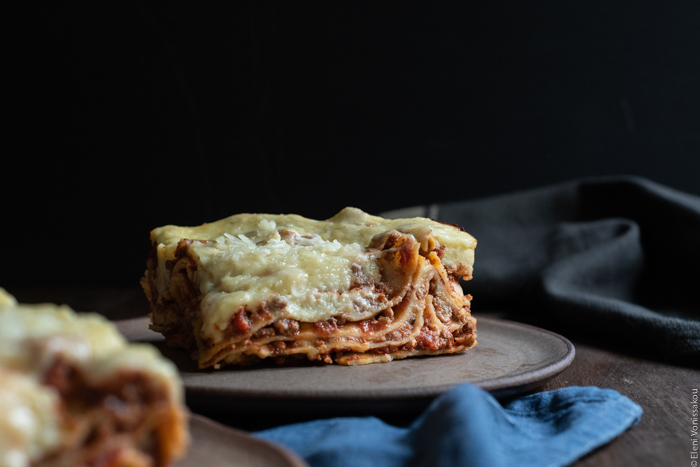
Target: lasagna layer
[(75, 393), (354, 289)]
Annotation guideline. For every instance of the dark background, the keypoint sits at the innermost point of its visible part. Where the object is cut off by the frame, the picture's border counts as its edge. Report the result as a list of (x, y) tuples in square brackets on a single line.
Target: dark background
[(124, 116)]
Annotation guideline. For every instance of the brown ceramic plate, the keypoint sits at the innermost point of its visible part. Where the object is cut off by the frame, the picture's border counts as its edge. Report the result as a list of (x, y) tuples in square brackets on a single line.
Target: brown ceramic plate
[(510, 358), (216, 445)]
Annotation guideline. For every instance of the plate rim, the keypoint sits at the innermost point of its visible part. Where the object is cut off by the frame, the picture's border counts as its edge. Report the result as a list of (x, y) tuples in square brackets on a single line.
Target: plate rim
[(287, 455), (501, 386)]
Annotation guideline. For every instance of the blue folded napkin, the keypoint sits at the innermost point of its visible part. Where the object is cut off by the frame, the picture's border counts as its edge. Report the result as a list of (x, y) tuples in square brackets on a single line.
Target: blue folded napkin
[(468, 427)]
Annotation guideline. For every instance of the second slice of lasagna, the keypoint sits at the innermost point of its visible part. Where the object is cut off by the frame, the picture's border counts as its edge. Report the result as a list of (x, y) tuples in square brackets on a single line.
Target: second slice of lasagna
[(353, 289)]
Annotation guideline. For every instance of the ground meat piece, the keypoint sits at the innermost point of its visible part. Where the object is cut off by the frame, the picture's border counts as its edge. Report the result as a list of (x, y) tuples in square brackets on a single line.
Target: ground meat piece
[(278, 347), (264, 332), (440, 251), (399, 334), (276, 303), (339, 320), (287, 327), (370, 326), (444, 313), (359, 279)]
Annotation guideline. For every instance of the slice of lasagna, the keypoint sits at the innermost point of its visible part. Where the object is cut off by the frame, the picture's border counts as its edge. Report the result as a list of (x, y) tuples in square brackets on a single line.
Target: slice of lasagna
[(73, 393), (353, 289)]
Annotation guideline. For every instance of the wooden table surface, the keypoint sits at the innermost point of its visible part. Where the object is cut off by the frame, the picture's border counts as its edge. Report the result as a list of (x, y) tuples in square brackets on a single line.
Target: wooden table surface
[(664, 390)]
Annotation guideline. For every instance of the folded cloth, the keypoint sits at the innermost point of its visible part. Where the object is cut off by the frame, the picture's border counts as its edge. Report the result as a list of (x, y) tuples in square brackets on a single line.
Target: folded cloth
[(612, 258), (467, 427)]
